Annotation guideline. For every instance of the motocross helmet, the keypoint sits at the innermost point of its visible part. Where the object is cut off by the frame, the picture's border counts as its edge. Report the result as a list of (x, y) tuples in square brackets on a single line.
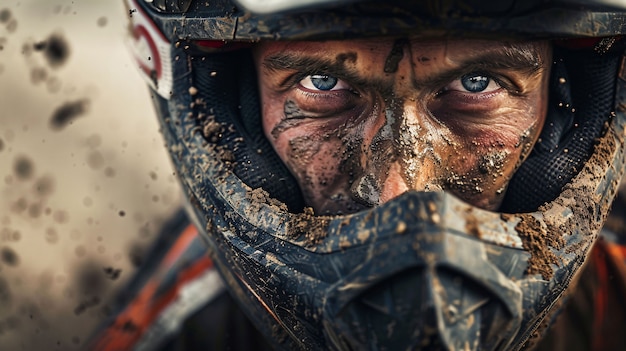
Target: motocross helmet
[(426, 269)]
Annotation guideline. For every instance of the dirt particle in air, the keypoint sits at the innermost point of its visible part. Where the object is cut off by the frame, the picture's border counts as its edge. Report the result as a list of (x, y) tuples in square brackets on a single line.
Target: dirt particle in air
[(122, 213), (9, 256), (67, 113), (38, 75), (95, 160), (34, 210), (5, 15), (109, 172), (5, 292), (89, 279), (1, 145), (56, 49), (20, 205), (102, 21), (52, 237), (136, 254), (11, 25), (23, 167), (93, 141), (112, 273), (53, 84), (61, 216), (84, 305), (44, 186)]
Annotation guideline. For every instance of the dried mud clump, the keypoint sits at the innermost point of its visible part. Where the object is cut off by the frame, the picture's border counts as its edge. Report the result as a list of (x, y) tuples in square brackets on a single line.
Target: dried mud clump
[(261, 196), (67, 113), (536, 240), (312, 229)]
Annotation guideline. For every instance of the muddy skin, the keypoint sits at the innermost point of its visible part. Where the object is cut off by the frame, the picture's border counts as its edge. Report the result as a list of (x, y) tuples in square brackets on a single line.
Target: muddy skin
[(382, 152), (349, 57), (395, 55), (293, 117), (302, 151)]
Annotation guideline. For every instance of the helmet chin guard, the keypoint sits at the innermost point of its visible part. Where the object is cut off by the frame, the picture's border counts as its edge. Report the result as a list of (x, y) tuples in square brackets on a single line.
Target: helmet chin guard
[(424, 270)]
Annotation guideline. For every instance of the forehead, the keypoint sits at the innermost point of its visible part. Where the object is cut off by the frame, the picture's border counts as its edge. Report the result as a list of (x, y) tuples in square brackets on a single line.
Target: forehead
[(419, 49)]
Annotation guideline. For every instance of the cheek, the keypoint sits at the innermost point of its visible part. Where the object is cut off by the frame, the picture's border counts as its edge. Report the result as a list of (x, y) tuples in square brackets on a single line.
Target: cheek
[(316, 150), (490, 154)]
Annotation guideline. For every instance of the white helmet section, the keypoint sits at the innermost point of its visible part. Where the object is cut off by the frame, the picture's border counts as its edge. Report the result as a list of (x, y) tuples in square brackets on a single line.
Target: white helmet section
[(151, 50), (274, 6)]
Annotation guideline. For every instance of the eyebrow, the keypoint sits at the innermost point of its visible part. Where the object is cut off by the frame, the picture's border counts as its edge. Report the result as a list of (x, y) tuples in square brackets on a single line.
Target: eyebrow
[(307, 64), (518, 57)]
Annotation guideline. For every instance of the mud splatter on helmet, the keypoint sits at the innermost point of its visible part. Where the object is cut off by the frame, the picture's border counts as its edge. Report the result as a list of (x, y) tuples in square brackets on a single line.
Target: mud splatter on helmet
[(422, 270)]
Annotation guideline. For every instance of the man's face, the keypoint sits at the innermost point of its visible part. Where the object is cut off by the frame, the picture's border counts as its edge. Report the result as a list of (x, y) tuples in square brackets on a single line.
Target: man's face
[(361, 122)]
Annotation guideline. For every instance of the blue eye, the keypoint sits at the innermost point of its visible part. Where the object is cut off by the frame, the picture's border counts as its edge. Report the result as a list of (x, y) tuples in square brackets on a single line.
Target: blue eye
[(323, 82), (475, 83)]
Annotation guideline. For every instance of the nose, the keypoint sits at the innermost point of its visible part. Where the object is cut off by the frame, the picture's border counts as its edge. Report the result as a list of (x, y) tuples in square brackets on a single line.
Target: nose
[(403, 156)]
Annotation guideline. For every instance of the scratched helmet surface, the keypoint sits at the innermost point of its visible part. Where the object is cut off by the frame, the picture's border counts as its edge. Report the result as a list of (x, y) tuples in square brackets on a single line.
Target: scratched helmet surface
[(425, 270)]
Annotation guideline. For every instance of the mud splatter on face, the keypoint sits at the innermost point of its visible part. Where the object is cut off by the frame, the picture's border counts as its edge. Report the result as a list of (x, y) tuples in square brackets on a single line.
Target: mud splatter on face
[(395, 55), (349, 57), (293, 117)]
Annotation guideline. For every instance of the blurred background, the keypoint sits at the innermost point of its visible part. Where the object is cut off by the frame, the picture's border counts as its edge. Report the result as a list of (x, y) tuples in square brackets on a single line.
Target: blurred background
[(84, 179)]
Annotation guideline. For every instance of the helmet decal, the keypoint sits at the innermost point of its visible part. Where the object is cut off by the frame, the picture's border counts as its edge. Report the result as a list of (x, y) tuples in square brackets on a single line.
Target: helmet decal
[(151, 50)]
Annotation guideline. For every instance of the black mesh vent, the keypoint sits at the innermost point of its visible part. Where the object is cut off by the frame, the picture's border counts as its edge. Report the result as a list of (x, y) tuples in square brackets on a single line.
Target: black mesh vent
[(582, 90), (227, 93)]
